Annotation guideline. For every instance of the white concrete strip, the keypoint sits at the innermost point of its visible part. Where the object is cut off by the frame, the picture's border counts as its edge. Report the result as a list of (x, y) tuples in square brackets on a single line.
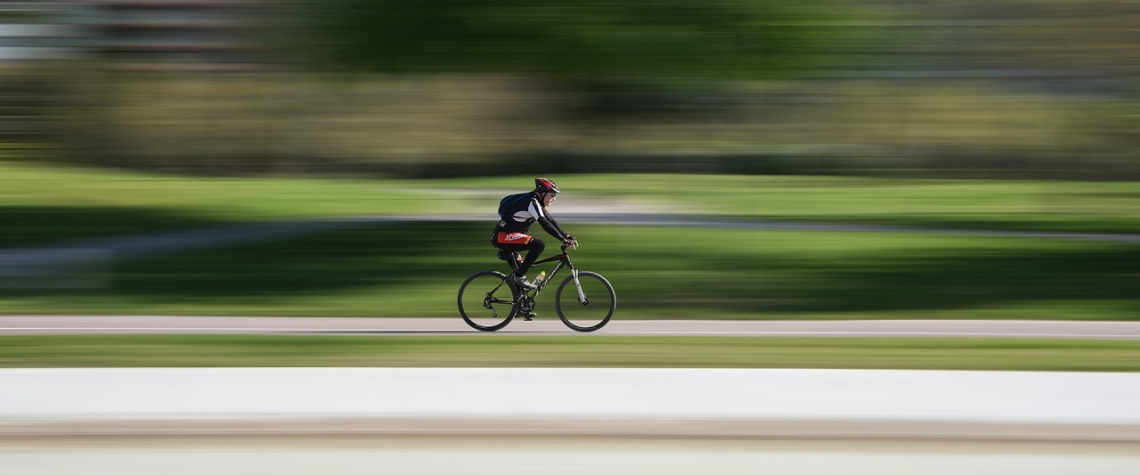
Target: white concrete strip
[(54, 395)]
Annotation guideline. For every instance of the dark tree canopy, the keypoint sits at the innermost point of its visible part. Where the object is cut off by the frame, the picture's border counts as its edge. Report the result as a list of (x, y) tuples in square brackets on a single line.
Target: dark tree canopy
[(577, 38)]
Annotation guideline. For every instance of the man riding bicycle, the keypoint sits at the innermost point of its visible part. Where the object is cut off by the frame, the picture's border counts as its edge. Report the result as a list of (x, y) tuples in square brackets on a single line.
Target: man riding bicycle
[(517, 213)]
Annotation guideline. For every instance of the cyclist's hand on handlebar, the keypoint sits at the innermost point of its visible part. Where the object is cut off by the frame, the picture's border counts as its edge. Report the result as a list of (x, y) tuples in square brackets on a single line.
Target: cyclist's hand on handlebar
[(570, 242)]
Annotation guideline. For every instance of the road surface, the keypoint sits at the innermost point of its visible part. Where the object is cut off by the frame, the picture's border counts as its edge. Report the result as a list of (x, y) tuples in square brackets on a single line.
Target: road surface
[(559, 401)]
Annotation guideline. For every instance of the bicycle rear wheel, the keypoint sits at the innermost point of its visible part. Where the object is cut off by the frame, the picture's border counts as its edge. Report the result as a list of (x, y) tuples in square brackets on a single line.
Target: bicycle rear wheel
[(486, 301), (587, 305)]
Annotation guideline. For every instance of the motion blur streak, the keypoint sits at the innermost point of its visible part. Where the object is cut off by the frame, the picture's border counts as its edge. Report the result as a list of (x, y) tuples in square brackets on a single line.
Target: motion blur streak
[(856, 160), (976, 88)]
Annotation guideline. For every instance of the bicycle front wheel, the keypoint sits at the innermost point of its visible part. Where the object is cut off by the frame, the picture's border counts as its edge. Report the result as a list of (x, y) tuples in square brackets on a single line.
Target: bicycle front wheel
[(486, 301), (585, 303)]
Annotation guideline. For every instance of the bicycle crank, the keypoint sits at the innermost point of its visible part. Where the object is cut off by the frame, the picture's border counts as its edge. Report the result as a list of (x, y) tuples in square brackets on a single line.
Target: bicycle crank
[(526, 307)]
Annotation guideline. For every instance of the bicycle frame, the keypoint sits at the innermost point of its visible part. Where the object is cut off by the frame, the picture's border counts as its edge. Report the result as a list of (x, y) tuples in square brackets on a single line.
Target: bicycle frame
[(563, 260)]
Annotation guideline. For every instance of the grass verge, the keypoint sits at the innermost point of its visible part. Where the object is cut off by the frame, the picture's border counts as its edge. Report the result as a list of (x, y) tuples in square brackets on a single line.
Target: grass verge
[(961, 204), (567, 351), (414, 270), (42, 204)]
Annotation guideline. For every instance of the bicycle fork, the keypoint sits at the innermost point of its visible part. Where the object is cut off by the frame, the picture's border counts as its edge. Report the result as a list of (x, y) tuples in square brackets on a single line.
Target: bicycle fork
[(577, 284), (581, 295)]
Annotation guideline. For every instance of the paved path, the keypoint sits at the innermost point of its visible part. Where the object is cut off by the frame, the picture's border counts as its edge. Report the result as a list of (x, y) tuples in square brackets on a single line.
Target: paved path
[(566, 401), (506, 421), (95, 324)]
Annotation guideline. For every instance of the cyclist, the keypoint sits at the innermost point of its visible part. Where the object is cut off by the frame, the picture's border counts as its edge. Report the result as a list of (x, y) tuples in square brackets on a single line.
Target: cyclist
[(517, 213)]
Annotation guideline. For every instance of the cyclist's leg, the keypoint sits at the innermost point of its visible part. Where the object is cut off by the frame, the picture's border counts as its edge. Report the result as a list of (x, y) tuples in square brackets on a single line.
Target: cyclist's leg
[(509, 249), (513, 258), (534, 249), (518, 242)]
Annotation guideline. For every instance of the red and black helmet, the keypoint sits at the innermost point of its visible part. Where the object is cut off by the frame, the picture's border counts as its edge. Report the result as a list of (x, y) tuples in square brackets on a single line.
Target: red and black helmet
[(543, 185)]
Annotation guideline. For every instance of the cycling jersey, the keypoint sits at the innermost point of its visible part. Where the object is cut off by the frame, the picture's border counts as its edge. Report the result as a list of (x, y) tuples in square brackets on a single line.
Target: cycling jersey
[(523, 213)]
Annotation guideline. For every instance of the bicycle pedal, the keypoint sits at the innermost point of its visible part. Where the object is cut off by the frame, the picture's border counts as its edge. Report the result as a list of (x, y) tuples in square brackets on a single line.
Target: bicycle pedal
[(529, 316)]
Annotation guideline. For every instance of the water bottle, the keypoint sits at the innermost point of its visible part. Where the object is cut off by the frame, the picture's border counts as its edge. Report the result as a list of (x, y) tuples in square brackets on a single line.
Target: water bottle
[(541, 277)]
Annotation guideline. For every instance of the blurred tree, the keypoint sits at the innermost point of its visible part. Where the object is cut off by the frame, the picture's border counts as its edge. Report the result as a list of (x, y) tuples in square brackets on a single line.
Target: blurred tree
[(574, 39)]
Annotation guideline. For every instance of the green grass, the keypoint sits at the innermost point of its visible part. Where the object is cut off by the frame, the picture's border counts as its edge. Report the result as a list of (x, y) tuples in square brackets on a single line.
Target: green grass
[(982, 204), (42, 204), (566, 351), (414, 270)]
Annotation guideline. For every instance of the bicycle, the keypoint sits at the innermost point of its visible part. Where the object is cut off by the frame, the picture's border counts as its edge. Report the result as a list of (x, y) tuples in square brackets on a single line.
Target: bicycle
[(586, 307)]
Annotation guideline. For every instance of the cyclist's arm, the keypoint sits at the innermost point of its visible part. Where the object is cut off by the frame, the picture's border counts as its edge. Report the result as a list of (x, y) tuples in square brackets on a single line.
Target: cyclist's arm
[(549, 224), (566, 238)]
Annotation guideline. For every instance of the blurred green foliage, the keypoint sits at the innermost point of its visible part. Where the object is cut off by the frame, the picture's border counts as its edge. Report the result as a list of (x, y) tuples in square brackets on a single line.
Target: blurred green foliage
[(967, 88), (575, 39), (472, 125)]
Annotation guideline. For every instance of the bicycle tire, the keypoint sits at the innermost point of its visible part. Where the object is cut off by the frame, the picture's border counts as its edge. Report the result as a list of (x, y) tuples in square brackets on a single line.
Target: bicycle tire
[(480, 310), (597, 289)]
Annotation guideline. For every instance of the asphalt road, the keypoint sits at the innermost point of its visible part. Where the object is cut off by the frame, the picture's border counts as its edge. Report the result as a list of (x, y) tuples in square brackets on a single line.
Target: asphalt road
[(106, 324)]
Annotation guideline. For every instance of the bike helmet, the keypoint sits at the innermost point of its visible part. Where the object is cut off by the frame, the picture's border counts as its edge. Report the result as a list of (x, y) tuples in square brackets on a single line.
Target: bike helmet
[(542, 185)]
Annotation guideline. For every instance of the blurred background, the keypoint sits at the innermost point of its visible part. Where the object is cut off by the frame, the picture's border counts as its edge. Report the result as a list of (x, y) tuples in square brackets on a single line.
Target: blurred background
[(1007, 88), (125, 117), (720, 159)]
